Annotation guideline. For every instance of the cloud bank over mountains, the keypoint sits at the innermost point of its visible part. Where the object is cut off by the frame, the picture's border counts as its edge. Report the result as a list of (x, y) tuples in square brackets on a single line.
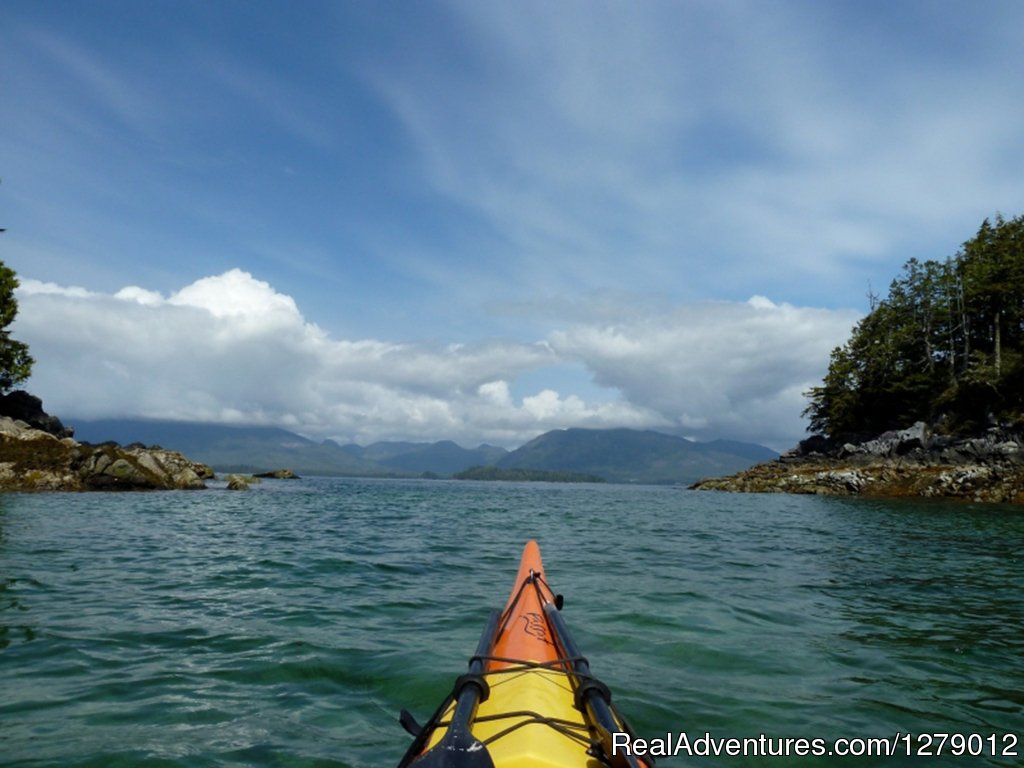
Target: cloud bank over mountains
[(229, 348)]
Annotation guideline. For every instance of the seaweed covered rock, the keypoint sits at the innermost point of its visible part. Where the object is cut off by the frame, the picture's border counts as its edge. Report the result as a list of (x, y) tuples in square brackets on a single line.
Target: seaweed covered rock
[(32, 459), (910, 462), (237, 483)]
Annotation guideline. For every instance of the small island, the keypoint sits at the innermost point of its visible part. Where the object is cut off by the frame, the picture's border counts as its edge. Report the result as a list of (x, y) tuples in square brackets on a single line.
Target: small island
[(277, 474), (926, 398), (526, 475)]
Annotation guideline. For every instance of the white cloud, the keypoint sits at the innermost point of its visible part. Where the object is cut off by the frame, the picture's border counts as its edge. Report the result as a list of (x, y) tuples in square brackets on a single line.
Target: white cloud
[(30, 287), (236, 293), (140, 295), (496, 392), (229, 348), (717, 369)]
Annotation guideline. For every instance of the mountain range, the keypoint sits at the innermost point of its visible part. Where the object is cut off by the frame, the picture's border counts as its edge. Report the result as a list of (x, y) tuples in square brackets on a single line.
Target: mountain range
[(633, 456), (616, 455)]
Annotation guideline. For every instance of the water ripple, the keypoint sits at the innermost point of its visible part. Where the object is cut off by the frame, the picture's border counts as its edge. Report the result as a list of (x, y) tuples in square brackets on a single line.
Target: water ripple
[(288, 626)]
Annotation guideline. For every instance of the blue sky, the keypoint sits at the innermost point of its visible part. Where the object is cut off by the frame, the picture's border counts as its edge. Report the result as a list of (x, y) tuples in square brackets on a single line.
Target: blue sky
[(481, 220)]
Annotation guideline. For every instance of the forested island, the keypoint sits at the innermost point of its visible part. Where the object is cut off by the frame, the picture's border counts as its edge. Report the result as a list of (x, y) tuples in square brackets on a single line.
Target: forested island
[(946, 346), (926, 398), (526, 475)]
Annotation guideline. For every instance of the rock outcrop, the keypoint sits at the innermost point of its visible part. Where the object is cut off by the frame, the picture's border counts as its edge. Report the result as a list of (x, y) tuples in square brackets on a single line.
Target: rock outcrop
[(32, 459), (22, 406), (910, 462), (278, 474), (237, 483)]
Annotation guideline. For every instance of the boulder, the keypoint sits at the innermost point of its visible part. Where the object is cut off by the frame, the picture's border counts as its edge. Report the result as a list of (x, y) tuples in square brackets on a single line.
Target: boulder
[(237, 483), (890, 444)]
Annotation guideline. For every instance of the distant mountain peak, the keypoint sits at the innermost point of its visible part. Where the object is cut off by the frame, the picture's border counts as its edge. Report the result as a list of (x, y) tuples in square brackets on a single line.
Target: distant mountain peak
[(617, 455), (631, 455)]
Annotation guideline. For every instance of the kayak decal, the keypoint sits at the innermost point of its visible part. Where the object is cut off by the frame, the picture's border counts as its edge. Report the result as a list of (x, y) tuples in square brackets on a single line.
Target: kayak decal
[(535, 625)]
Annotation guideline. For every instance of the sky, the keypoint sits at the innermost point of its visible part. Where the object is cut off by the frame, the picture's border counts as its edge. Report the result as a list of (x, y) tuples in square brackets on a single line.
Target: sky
[(480, 221)]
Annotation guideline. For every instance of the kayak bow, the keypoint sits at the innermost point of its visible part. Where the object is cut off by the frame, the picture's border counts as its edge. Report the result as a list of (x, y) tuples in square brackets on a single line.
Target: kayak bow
[(528, 700)]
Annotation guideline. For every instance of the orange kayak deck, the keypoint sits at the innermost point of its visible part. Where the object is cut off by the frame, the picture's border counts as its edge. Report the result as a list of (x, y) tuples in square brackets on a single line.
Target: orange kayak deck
[(523, 632)]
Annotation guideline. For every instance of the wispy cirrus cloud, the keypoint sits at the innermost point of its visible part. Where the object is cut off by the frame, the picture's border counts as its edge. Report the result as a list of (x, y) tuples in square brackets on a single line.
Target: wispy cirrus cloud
[(715, 148)]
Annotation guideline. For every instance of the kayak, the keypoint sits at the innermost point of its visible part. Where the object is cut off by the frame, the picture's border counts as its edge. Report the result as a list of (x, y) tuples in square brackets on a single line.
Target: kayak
[(528, 700)]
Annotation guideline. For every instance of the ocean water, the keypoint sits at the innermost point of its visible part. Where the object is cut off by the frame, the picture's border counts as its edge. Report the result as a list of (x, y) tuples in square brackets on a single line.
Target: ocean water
[(287, 626)]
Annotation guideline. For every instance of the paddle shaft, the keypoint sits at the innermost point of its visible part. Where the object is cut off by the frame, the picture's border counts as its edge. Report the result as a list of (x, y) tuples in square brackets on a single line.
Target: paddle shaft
[(458, 747), (599, 709), (469, 696)]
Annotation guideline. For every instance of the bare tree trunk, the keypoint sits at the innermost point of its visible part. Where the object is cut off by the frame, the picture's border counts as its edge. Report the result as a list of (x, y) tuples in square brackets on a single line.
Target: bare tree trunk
[(999, 344)]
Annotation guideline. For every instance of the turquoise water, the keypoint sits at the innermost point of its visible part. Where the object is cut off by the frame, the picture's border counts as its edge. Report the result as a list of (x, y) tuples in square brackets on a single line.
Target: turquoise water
[(287, 626)]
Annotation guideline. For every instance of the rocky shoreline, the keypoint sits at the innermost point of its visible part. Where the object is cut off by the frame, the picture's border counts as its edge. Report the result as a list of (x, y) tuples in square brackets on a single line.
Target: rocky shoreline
[(34, 460), (38, 453), (908, 463)]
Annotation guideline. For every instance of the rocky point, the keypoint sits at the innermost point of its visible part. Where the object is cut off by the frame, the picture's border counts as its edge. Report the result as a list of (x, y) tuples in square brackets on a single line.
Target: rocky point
[(911, 462), (38, 453)]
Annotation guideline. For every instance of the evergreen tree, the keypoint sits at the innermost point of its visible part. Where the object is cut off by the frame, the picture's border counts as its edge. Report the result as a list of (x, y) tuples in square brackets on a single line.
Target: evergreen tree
[(948, 341), (15, 361)]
